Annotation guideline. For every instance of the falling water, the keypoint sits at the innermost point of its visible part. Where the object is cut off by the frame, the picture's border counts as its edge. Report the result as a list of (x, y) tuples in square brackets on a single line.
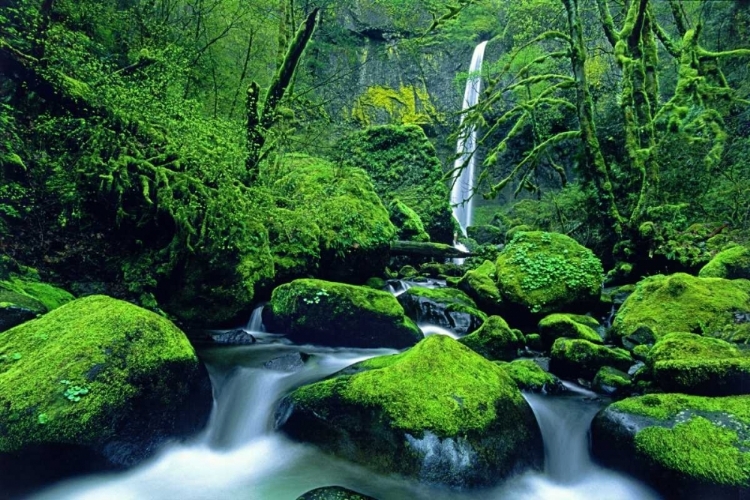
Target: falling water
[(463, 180)]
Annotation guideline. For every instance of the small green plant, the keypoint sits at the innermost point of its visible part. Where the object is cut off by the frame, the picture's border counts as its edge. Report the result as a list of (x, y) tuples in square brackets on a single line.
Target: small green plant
[(42, 418), (315, 299), (74, 392)]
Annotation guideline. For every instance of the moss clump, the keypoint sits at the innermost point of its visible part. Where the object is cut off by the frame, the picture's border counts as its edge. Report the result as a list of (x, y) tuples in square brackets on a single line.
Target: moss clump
[(688, 363), (547, 272), (403, 164), (327, 313), (480, 284), (684, 303), (91, 369), (612, 381), (534, 341), (581, 358), (494, 340), (732, 263), (375, 283), (407, 222), (48, 296), (529, 376), (384, 411), (572, 326), (405, 105)]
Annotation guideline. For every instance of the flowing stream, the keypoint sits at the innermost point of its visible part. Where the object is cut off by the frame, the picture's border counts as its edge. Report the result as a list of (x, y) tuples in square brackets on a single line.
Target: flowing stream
[(241, 456)]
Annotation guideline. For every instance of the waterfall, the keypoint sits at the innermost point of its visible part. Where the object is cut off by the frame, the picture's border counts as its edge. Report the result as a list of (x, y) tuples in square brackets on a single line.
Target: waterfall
[(463, 180)]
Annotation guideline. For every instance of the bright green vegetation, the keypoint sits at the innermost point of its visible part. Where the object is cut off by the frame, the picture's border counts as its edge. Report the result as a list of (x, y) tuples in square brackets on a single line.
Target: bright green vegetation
[(668, 406), (529, 376), (328, 313), (611, 381), (403, 164), (438, 385), (77, 374), (33, 293), (733, 263), (407, 222), (581, 358), (486, 234), (572, 326), (689, 363), (406, 105), (481, 285), (548, 272), (684, 303), (494, 340)]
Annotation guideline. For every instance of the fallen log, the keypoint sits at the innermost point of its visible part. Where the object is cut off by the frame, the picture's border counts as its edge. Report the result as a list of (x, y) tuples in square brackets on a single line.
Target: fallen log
[(426, 249)]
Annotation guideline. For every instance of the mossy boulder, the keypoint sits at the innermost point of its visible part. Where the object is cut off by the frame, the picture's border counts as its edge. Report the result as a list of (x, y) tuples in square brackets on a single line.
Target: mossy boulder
[(23, 297), (98, 381), (683, 303), (732, 263), (612, 382), (544, 272), (337, 314), (333, 493), (486, 234), (573, 358), (687, 447), (529, 376), (408, 224), (403, 164), (445, 307), (438, 412), (494, 340), (572, 326), (691, 364), (480, 284)]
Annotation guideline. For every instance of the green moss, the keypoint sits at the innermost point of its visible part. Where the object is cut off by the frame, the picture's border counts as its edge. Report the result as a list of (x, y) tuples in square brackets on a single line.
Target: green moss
[(405, 105), (684, 303), (668, 406), (581, 358), (611, 381), (732, 263), (547, 272), (403, 164), (529, 376), (534, 341), (486, 234), (110, 348), (33, 294), (494, 340), (571, 326), (375, 283), (641, 351), (438, 385), (480, 284), (407, 222)]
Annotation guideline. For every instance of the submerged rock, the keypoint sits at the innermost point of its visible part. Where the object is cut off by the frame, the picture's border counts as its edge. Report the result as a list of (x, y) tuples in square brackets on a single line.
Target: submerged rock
[(688, 447), (333, 493), (445, 307), (336, 314), (238, 336), (96, 383), (684, 303), (541, 273), (437, 412), (291, 362), (494, 340)]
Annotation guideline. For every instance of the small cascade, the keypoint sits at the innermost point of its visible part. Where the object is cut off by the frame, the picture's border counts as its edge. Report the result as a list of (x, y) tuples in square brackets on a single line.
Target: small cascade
[(255, 324), (463, 180)]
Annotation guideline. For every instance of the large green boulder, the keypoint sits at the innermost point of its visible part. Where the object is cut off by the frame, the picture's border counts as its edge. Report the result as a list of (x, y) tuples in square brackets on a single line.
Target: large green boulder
[(437, 412), (571, 326), (680, 302), (97, 378), (691, 364), (403, 164), (541, 273), (408, 224), (494, 340), (336, 314), (444, 307), (732, 263), (687, 447), (573, 358), (480, 284)]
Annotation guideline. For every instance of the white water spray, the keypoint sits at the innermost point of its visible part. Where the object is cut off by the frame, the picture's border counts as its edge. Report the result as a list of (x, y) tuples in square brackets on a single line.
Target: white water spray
[(463, 180)]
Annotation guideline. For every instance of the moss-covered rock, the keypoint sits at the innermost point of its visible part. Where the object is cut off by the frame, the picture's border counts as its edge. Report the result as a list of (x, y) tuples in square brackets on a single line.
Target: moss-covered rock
[(612, 382), (686, 446), (441, 270), (438, 412), (684, 303), (445, 307), (99, 377), (494, 340), (572, 326), (529, 376), (408, 224), (486, 234), (481, 285), (573, 358), (691, 364), (534, 341), (403, 164), (333, 493), (336, 314), (732, 263), (23, 296), (548, 272)]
